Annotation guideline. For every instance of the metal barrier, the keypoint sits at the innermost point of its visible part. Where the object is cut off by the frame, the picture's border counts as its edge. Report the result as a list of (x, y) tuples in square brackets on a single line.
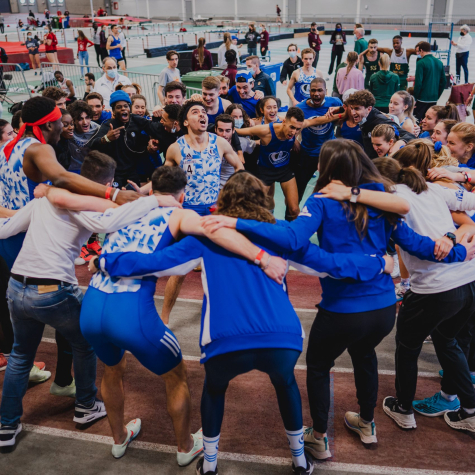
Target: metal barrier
[(13, 83), (147, 82), (192, 90)]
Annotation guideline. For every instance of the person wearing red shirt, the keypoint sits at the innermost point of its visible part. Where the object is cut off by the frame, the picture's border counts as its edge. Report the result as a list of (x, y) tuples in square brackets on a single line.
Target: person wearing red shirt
[(264, 40), (314, 42), (83, 54), (231, 71), (201, 58), (51, 42)]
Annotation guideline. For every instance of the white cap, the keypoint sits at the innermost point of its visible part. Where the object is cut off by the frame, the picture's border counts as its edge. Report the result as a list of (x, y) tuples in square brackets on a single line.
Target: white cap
[(348, 93), (466, 28)]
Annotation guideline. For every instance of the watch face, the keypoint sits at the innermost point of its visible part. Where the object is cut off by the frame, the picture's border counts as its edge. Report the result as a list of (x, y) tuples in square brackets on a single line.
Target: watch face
[(355, 190)]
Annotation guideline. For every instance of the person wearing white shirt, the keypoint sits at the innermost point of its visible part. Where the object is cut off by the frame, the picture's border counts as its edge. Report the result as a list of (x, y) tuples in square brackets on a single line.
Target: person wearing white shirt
[(462, 50), (107, 83), (123, 45)]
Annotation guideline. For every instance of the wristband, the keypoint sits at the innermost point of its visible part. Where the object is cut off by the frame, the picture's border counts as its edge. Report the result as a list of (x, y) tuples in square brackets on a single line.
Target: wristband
[(108, 192), (468, 178), (114, 196), (106, 138), (259, 257), (339, 116)]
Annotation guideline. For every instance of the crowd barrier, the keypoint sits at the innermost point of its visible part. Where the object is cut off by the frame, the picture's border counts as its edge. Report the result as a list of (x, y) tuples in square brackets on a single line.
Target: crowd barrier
[(13, 83)]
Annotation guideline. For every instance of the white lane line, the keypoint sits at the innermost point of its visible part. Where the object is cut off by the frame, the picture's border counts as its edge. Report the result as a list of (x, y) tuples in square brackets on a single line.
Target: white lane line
[(303, 367), (330, 466), (200, 301)]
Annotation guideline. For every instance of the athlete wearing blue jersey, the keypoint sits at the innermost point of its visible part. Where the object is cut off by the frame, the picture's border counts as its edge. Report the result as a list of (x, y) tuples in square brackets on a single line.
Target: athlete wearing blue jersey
[(210, 95), (243, 93)]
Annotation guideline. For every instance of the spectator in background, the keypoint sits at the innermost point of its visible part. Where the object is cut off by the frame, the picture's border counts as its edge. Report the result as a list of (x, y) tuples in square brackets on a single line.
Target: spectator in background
[(58, 96), (262, 81), (429, 82), (278, 10), (66, 19), (292, 63), (66, 85), (2, 24), (16, 121), (226, 46), (114, 47), (383, 84), (462, 49), (338, 40), (96, 102), (350, 77), (51, 43), (123, 44), (90, 81), (83, 54), (103, 43), (314, 42), (251, 38), (32, 44), (169, 74), (264, 40), (96, 38), (107, 83), (201, 58), (231, 71), (360, 43)]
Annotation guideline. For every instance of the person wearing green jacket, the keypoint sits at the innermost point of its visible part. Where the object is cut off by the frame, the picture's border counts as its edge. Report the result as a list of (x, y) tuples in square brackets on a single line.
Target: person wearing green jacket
[(383, 84), (430, 80), (360, 43)]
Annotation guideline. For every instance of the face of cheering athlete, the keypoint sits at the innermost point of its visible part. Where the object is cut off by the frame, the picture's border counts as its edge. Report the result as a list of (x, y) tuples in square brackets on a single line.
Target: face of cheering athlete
[(381, 147), (359, 113), (224, 88), (168, 124), (458, 148), (397, 45), (429, 121), (197, 119), (175, 97), (291, 127), (121, 111), (439, 134), (244, 89), (68, 127), (270, 110), (373, 48), (225, 130), (83, 124), (396, 105), (97, 108), (7, 134), (54, 131), (307, 59), (59, 77), (130, 90), (210, 96), (139, 107), (317, 93)]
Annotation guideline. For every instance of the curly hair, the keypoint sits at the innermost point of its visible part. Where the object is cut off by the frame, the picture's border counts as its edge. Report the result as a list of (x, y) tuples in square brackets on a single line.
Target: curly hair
[(77, 108), (361, 98)]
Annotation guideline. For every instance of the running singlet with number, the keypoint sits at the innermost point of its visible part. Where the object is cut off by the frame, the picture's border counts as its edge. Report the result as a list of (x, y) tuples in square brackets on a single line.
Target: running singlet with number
[(212, 117), (146, 236), (400, 66), (302, 86), (276, 153), (371, 68), (202, 171), (116, 52)]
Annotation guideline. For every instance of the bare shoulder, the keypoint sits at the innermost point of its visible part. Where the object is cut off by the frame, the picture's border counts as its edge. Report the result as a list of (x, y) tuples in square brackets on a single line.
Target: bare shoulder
[(226, 103), (318, 73)]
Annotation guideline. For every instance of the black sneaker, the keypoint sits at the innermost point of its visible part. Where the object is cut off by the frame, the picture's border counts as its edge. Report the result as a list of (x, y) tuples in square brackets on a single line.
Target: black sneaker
[(199, 468), (304, 470), (404, 419), (460, 420), (84, 415), (8, 435)]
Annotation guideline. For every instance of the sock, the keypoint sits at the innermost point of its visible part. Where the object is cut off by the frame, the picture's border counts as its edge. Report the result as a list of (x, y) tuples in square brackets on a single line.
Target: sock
[(210, 446), (406, 282), (402, 409), (365, 422), (469, 411), (448, 397), (295, 438)]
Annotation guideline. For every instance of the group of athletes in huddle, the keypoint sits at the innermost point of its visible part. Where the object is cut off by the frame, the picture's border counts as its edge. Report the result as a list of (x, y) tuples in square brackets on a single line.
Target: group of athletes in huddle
[(211, 205)]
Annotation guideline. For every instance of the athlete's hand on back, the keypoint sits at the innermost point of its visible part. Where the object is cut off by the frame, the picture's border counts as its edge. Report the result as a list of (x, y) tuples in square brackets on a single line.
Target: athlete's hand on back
[(469, 246), (41, 190), (389, 267), (335, 190), (167, 201), (127, 196), (438, 172), (214, 222), (196, 97), (276, 269), (442, 247)]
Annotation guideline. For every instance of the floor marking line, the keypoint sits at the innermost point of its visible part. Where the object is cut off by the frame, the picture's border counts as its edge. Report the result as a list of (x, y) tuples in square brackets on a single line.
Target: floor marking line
[(330, 466), (301, 367)]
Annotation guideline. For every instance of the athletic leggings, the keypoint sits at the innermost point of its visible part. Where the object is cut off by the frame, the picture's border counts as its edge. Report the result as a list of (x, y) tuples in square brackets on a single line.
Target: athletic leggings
[(278, 363), (98, 55)]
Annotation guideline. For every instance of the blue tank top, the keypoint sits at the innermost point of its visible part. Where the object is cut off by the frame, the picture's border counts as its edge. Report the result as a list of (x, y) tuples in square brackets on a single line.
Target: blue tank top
[(277, 121), (276, 153), (202, 171), (352, 133), (212, 117), (116, 52), (302, 86)]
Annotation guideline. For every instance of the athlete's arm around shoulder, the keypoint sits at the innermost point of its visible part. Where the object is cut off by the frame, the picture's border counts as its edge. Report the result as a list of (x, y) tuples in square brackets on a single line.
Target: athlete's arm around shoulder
[(17, 223), (229, 154), (173, 157), (261, 131), (388, 51)]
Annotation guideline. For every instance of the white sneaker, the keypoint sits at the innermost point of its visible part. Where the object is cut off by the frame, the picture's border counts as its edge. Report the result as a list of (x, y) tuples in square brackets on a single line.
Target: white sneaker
[(65, 391), (366, 430), (38, 376), (317, 448), (396, 272), (185, 459), (133, 429)]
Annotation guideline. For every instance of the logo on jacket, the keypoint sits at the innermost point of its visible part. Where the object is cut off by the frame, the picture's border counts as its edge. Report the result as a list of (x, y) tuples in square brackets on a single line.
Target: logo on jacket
[(320, 129), (278, 157), (305, 212)]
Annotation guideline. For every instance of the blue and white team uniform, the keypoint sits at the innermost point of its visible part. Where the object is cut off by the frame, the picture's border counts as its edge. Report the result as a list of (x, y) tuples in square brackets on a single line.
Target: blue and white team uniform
[(212, 117), (17, 191), (274, 159), (119, 314), (302, 85), (203, 174), (249, 105)]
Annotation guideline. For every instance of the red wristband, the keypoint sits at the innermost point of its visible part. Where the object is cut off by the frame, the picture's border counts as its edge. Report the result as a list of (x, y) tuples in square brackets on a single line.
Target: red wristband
[(339, 116), (108, 192), (259, 257)]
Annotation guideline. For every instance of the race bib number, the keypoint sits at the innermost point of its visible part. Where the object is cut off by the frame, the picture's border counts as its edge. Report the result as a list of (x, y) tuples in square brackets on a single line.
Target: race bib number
[(189, 167)]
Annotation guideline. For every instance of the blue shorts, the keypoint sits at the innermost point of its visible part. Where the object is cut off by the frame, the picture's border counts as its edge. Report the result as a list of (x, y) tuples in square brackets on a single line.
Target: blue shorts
[(113, 323), (202, 210)]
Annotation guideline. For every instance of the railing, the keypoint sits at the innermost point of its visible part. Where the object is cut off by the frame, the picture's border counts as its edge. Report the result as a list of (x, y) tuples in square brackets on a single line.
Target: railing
[(192, 90), (13, 83), (147, 82)]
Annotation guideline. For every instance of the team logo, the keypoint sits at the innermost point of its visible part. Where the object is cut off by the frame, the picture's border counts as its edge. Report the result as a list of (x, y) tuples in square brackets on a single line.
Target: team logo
[(305, 212), (278, 157), (305, 90), (320, 129)]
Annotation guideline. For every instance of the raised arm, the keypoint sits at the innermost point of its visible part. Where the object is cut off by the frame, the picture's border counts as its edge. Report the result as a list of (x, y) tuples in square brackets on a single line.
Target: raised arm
[(260, 130)]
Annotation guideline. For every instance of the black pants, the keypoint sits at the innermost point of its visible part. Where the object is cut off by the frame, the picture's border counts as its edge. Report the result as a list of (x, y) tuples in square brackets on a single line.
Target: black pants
[(104, 53), (304, 170), (461, 60), (337, 53), (441, 315), (421, 108), (125, 59), (2, 28), (333, 333), (263, 53), (315, 61), (98, 55)]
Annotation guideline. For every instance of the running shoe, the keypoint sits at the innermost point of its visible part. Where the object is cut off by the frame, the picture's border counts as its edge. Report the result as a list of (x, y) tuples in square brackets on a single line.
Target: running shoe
[(404, 419), (396, 272), (65, 391), (435, 406), (185, 459), (95, 248), (133, 429), (84, 257), (8, 435), (199, 468), (303, 470), (460, 420), (84, 415), (3, 362), (317, 448), (441, 374), (366, 430), (428, 339), (37, 375)]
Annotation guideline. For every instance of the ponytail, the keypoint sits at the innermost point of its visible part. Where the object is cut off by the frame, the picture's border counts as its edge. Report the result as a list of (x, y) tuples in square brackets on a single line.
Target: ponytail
[(227, 40), (446, 112), (391, 169), (201, 51), (351, 60)]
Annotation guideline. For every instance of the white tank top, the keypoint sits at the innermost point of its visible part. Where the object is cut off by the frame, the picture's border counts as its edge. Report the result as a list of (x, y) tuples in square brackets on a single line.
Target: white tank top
[(65, 88), (399, 59)]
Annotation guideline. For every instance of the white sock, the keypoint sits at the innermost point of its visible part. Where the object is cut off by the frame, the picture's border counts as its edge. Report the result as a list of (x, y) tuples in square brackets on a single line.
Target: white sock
[(211, 446), (448, 397), (295, 438), (469, 411)]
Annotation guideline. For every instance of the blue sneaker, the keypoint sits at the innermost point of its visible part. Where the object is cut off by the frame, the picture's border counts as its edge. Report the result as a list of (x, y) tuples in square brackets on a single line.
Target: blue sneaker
[(435, 406), (441, 374)]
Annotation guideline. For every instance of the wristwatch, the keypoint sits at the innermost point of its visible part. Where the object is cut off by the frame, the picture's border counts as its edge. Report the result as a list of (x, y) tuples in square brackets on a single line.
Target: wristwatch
[(452, 237), (355, 192)]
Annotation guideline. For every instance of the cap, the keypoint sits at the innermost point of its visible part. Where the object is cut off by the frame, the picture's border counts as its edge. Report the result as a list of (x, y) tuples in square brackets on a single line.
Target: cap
[(348, 93), (119, 96), (244, 76), (234, 37)]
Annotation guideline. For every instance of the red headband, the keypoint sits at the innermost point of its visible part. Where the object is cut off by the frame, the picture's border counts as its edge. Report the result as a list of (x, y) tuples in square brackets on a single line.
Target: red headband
[(51, 117)]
